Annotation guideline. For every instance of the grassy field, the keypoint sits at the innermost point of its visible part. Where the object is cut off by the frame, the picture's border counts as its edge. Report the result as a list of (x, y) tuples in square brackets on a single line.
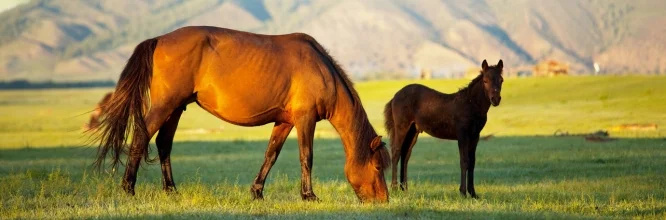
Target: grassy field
[(522, 173)]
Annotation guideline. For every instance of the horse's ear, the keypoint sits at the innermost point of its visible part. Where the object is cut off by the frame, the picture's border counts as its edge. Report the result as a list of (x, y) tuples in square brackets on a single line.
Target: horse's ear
[(376, 143), (484, 65), (500, 64)]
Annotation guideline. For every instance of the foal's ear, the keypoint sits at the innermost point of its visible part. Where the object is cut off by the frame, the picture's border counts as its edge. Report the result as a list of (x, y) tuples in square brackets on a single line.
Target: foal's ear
[(500, 64), (376, 143), (484, 65)]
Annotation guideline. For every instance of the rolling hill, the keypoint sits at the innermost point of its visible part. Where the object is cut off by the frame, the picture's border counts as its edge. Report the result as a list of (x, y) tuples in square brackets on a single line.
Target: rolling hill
[(82, 40)]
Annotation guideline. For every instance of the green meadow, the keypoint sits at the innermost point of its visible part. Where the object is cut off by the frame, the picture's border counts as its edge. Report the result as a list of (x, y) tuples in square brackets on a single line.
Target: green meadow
[(524, 172)]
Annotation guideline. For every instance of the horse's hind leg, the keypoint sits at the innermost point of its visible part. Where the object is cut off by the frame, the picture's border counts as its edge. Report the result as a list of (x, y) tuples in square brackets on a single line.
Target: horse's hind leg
[(399, 133), (163, 102), (407, 146), (154, 119), (278, 136), (164, 143)]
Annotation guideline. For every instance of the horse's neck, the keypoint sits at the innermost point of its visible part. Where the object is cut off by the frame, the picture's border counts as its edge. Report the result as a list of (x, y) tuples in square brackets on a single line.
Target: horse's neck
[(478, 98), (351, 122)]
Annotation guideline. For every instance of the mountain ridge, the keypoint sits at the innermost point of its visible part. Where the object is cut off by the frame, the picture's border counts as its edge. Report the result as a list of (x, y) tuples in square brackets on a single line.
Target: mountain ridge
[(91, 40)]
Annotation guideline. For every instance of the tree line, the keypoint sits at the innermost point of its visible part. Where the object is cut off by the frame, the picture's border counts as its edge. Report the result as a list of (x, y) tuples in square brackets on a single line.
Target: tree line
[(25, 84)]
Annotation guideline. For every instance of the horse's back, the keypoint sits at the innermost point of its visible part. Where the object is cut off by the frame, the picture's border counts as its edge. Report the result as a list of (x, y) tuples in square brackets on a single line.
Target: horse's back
[(222, 37), (241, 77), (417, 95)]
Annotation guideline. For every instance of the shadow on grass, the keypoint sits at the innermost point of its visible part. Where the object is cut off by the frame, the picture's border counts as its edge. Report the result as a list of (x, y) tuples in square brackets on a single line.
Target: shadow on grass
[(377, 213), (571, 175), (502, 160)]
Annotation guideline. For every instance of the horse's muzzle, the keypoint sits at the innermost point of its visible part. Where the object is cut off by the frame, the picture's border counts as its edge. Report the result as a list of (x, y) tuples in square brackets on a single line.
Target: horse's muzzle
[(495, 101)]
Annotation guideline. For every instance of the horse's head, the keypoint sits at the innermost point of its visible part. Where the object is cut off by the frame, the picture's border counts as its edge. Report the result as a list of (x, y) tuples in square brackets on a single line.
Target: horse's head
[(492, 81), (367, 178), (94, 119)]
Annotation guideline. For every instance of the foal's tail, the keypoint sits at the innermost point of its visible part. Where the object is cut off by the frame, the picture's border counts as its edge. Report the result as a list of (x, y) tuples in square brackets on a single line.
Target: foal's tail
[(388, 120), (125, 110)]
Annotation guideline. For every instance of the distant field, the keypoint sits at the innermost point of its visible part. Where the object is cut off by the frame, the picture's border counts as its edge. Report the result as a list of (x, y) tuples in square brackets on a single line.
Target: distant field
[(530, 106), (45, 173)]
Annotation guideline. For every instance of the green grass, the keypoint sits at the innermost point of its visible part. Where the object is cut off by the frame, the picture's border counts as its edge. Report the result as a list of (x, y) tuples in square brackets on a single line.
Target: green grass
[(530, 106), (45, 165)]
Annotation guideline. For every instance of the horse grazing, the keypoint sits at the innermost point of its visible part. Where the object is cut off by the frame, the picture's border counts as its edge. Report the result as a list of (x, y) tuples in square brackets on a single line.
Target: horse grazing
[(98, 113), (245, 79), (459, 116)]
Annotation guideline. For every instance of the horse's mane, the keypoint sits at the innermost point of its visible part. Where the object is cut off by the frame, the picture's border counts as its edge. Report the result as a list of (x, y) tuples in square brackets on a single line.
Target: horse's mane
[(363, 128), (466, 90)]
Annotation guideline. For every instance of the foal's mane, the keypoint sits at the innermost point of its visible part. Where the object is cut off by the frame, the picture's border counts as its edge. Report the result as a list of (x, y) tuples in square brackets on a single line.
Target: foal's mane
[(466, 90), (363, 127)]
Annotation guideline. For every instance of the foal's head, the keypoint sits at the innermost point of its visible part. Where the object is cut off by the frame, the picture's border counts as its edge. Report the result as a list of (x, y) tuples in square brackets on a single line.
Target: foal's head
[(492, 81)]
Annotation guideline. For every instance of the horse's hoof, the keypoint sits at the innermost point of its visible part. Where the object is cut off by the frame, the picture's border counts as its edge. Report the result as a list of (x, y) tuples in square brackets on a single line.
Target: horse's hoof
[(309, 197), (170, 190), (463, 194), (128, 189), (257, 194), (129, 192)]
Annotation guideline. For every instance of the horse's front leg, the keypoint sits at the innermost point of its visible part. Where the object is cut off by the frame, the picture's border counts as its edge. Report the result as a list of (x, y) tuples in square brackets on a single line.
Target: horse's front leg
[(305, 125), (279, 135), (470, 167)]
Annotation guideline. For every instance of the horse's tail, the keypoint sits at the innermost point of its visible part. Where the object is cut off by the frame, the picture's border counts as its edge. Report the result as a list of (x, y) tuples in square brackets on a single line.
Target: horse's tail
[(388, 120), (125, 110)]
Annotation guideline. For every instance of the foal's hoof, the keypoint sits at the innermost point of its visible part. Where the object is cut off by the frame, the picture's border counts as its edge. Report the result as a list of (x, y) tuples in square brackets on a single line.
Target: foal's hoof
[(309, 197), (129, 192), (257, 194), (170, 190), (402, 187), (473, 195)]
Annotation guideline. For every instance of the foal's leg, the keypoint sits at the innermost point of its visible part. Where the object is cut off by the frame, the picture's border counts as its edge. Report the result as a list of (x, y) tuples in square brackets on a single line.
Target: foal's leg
[(410, 140), (470, 167), (164, 142), (305, 126), (154, 119), (399, 133), (463, 144), (279, 135)]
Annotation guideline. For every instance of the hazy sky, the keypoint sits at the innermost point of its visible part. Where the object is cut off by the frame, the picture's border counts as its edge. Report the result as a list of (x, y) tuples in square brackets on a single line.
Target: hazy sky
[(7, 4)]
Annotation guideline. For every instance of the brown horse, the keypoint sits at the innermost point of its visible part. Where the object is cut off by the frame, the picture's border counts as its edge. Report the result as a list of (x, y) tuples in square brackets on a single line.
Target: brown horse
[(98, 113), (245, 79), (460, 116)]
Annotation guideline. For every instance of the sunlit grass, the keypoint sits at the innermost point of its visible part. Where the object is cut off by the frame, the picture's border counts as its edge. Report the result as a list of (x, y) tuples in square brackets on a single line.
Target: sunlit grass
[(530, 106)]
